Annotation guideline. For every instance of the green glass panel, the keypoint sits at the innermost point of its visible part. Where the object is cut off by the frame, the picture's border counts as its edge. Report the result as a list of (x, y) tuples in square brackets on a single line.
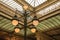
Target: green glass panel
[(2, 21), (48, 24), (45, 25), (7, 26), (11, 28), (41, 27), (58, 19)]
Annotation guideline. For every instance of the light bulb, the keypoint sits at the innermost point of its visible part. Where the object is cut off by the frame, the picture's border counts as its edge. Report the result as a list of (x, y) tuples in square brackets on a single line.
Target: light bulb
[(25, 7), (15, 22), (35, 22), (33, 30), (17, 30)]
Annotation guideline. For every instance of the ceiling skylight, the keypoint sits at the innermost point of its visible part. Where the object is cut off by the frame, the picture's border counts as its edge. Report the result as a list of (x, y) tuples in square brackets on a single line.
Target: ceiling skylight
[(12, 4), (35, 3), (49, 9)]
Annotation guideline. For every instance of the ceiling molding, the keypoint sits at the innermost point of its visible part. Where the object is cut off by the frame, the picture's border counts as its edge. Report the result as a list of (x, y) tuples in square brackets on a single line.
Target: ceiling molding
[(7, 9), (44, 5), (50, 14), (5, 15)]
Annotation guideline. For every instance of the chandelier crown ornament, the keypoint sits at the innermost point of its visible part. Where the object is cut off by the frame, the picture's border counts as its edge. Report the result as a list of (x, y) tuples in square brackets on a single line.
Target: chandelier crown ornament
[(15, 17)]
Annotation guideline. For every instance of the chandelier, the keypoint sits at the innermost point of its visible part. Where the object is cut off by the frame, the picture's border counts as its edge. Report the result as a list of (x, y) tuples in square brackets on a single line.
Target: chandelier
[(15, 22)]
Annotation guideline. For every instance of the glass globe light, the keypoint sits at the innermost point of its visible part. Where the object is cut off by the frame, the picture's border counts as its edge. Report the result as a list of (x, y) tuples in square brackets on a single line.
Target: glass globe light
[(35, 22), (25, 7), (15, 22), (33, 30), (17, 30)]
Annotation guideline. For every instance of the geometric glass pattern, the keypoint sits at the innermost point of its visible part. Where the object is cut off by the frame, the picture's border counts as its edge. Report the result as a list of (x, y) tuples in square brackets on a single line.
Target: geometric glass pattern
[(35, 3)]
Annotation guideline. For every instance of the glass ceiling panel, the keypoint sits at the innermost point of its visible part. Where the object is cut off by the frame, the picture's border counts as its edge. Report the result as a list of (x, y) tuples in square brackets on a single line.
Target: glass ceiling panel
[(35, 3), (12, 4), (49, 24), (49, 9)]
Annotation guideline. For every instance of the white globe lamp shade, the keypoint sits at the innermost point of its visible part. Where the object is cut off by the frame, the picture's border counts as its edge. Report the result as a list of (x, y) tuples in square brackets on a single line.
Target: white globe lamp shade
[(15, 22), (33, 30), (25, 7), (17, 30), (35, 22)]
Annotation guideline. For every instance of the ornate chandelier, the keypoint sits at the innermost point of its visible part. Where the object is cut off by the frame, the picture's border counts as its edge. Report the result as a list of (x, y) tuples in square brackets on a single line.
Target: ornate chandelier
[(33, 29)]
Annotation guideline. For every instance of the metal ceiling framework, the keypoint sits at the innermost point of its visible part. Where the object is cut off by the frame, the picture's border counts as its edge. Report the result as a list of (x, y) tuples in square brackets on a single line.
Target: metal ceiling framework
[(54, 22), (35, 3), (32, 13), (10, 28), (48, 9), (46, 4), (49, 23), (23, 2), (8, 12), (47, 16), (9, 9)]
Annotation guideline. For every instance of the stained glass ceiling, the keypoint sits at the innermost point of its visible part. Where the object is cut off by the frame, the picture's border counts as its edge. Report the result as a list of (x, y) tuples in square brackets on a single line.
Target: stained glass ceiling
[(12, 4), (35, 3)]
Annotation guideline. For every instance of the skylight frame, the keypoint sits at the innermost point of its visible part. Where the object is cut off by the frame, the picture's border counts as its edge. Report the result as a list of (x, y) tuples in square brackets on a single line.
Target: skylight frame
[(36, 2), (12, 4), (49, 9)]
